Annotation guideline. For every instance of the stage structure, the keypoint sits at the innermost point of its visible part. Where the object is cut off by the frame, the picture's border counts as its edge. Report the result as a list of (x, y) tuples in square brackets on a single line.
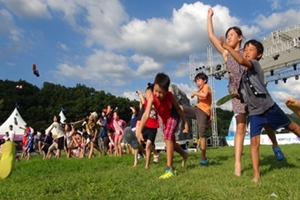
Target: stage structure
[(210, 71), (281, 54)]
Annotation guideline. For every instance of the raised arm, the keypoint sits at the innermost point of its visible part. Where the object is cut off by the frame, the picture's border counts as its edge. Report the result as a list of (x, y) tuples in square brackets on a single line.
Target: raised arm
[(144, 119), (214, 40), (239, 59)]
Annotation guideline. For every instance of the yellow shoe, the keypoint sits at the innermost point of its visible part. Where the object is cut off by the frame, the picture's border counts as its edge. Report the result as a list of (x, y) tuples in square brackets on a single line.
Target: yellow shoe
[(168, 174), (7, 159)]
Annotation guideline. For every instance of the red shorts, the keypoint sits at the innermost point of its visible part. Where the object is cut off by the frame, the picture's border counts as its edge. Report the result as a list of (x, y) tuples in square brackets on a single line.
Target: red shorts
[(169, 129)]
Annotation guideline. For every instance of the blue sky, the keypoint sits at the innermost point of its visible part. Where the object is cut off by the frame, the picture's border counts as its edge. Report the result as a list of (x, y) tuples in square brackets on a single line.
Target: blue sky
[(119, 46)]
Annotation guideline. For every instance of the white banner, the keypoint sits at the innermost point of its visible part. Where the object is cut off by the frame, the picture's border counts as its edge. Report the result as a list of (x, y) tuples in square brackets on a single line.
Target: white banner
[(288, 138)]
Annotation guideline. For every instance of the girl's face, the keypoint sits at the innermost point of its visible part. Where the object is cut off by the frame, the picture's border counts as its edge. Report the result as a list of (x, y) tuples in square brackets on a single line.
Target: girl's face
[(233, 39), (103, 114), (109, 109), (54, 119), (159, 92), (115, 116), (200, 82)]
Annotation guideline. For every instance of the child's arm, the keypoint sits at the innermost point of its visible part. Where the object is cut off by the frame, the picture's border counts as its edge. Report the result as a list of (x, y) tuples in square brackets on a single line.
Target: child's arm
[(144, 119), (203, 94), (182, 115), (235, 55), (214, 40)]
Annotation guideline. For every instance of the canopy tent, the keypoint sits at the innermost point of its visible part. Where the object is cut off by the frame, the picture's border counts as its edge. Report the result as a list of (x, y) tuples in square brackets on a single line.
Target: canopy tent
[(16, 120), (62, 120)]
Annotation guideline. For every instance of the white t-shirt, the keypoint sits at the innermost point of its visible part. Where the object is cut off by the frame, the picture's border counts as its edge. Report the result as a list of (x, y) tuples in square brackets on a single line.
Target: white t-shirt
[(11, 134), (59, 129)]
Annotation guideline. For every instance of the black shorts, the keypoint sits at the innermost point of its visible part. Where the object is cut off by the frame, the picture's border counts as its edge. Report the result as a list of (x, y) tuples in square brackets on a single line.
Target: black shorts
[(45, 148), (60, 143), (149, 134)]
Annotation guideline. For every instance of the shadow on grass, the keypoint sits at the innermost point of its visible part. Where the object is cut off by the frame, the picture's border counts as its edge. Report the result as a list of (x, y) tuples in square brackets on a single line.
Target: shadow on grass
[(272, 163)]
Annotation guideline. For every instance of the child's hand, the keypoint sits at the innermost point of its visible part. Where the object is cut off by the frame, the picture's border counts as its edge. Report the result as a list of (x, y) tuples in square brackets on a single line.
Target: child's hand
[(186, 128), (210, 12), (223, 43), (193, 95), (290, 101), (139, 136)]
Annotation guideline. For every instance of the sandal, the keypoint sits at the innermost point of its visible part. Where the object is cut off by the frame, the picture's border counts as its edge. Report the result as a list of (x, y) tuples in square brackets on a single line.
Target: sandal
[(204, 162), (278, 154)]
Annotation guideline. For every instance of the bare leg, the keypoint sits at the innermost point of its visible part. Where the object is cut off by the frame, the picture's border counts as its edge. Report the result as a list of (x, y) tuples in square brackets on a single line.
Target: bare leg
[(91, 149), (203, 148), (170, 153), (135, 155), (255, 142), (184, 154), (295, 128), (239, 143), (148, 153)]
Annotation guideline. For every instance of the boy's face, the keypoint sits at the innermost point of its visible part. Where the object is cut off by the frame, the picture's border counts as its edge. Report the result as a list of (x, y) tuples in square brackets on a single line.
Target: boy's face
[(200, 82), (250, 52), (159, 92)]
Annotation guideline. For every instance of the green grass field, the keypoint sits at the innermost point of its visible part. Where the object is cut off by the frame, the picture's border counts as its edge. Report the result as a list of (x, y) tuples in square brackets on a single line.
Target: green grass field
[(115, 178)]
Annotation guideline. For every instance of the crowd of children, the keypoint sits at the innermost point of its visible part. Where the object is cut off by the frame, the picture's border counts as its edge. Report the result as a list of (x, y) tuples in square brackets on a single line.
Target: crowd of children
[(159, 107)]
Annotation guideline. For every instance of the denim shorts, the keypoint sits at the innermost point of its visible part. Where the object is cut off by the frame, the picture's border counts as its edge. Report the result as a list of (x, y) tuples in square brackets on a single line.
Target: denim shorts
[(274, 117)]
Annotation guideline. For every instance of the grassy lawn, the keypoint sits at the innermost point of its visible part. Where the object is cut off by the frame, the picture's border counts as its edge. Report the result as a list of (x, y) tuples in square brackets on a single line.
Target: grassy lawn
[(115, 178)]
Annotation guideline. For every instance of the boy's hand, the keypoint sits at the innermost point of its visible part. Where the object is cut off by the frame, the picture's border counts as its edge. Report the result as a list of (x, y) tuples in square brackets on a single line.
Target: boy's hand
[(186, 128), (139, 136), (210, 12), (193, 95)]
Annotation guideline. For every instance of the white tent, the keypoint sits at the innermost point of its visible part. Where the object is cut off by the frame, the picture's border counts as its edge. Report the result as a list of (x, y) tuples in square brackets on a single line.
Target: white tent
[(62, 120), (16, 120)]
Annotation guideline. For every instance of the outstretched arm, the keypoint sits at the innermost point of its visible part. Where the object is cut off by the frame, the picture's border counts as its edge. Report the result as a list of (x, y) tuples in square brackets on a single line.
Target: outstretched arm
[(214, 40), (235, 55)]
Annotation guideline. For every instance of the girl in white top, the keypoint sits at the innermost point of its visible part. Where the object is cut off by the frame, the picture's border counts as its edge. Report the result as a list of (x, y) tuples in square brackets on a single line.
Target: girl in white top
[(57, 125)]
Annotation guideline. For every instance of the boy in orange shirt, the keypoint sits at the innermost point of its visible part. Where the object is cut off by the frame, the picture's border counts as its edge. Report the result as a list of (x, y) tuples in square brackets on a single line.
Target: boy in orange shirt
[(201, 112)]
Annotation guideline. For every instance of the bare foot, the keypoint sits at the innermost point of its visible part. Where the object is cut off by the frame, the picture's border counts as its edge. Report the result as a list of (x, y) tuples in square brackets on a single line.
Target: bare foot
[(255, 179), (237, 170), (184, 158), (294, 105), (146, 167)]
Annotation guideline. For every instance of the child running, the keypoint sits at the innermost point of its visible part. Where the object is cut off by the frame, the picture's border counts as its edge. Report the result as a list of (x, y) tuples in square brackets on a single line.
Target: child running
[(119, 126), (149, 131), (169, 110), (201, 112), (234, 38), (262, 109)]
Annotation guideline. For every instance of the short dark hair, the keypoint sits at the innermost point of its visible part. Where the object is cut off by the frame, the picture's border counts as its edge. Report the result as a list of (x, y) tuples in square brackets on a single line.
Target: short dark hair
[(202, 76), (258, 45), (162, 80)]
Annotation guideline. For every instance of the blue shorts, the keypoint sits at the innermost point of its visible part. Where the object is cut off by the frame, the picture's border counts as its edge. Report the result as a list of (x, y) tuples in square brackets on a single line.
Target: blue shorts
[(274, 117)]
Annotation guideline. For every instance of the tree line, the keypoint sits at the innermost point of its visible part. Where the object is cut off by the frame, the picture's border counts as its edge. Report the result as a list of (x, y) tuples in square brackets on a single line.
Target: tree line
[(37, 105)]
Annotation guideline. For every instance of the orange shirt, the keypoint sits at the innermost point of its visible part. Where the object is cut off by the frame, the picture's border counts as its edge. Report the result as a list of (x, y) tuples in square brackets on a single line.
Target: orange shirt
[(205, 103)]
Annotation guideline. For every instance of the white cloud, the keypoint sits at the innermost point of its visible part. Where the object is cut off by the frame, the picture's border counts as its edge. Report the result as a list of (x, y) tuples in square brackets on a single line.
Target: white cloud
[(131, 95), (28, 8), (8, 27), (279, 20), (275, 4), (146, 65), (62, 46)]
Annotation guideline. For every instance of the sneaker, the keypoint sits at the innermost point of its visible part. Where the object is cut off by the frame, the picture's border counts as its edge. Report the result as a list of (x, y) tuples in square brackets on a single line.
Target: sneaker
[(278, 154), (168, 174), (156, 158), (204, 162), (139, 156)]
